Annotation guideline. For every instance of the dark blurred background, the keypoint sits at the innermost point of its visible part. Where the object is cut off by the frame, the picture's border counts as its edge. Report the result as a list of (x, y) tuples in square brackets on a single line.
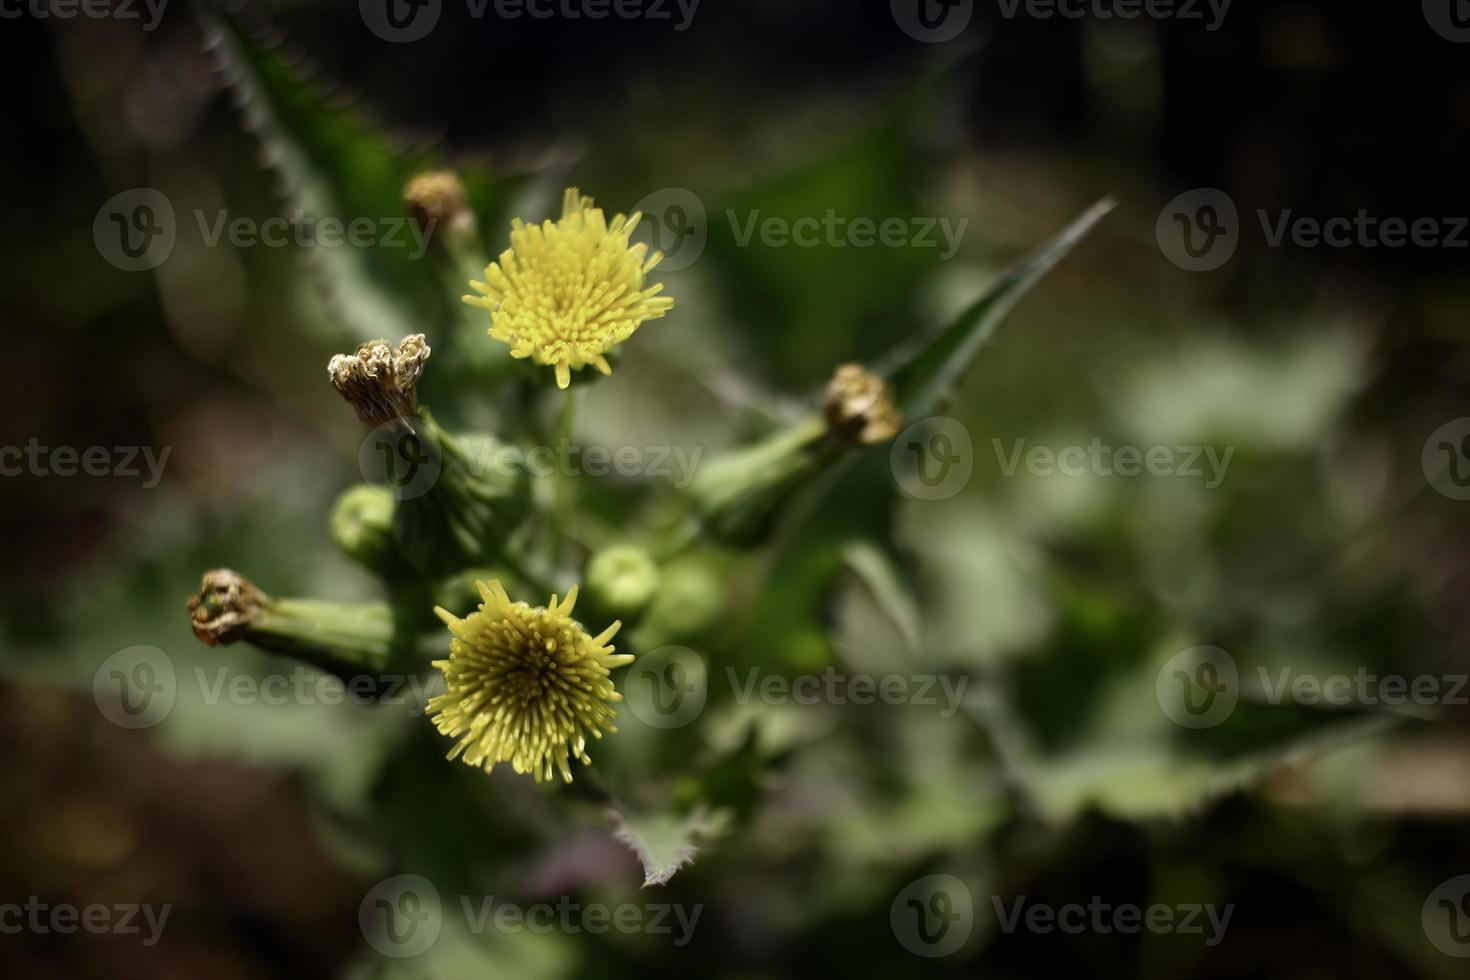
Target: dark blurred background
[(1329, 367)]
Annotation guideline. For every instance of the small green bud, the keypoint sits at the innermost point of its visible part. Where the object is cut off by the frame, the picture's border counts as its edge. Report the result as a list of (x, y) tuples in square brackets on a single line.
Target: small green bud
[(362, 526), (690, 601), (622, 578)]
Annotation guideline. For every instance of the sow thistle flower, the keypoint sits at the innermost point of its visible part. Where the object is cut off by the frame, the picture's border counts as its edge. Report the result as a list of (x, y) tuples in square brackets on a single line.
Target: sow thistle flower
[(525, 685), (567, 292)]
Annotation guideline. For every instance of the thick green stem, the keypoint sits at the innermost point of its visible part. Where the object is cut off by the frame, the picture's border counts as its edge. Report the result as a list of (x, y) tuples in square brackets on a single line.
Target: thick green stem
[(738, 493), (346, 640)]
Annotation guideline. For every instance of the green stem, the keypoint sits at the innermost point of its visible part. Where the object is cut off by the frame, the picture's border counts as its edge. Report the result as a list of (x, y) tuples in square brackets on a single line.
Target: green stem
[(564, 487), (341, 639)]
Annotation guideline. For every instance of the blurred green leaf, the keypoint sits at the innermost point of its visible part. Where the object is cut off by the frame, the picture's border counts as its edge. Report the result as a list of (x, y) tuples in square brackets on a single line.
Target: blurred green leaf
[(331, 163), (924, 379)]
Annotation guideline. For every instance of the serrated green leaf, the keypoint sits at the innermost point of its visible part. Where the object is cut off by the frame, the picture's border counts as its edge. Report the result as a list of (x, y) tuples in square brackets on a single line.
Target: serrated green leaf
[(331, 163), (663, 841)]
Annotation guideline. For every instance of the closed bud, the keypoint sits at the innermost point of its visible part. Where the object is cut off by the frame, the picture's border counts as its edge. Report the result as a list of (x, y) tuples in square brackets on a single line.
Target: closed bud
[(362, 526), (622, 579)]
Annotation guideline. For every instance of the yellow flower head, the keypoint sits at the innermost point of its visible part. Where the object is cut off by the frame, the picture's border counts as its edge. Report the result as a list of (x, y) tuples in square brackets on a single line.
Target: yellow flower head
[(525, 686), (567, 292)]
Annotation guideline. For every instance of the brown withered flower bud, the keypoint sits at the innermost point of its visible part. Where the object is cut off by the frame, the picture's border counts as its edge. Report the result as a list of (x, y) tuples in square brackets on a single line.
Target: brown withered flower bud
[(380, 381), (859, 406), (436, 198), (225, 608)]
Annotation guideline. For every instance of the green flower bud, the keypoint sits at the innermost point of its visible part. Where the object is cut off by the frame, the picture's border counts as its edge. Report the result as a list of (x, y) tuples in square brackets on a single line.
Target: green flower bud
[(622, 579), (362, 526), (467, 514), (690, 601), (456, 502)]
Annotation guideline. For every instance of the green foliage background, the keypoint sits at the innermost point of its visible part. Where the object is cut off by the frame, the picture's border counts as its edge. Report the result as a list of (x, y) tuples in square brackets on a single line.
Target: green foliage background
[(1059, 598)]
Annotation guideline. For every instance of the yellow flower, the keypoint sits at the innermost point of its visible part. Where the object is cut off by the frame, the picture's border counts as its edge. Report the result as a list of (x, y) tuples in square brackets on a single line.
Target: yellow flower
[(525, 686), (567, 292)]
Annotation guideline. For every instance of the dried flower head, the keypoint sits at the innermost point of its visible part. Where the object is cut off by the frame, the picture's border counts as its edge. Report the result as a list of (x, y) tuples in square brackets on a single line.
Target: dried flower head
[(380, 380), (225, 608), (525, 685), (567, 292), (859, 406), (436, 197)]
